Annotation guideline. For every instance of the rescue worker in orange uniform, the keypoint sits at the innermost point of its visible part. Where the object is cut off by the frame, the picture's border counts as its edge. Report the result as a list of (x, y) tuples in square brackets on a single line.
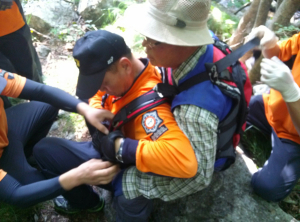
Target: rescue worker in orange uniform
[(16, 43), (277, 113), (152, 142), (23, 125)]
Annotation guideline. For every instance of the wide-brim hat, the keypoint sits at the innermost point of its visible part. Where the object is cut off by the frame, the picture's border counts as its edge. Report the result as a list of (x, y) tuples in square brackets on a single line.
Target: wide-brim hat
[(177, 22)]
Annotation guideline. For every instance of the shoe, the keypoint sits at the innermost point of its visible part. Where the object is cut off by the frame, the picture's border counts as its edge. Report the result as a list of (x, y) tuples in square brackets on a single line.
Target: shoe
[(62, 205)]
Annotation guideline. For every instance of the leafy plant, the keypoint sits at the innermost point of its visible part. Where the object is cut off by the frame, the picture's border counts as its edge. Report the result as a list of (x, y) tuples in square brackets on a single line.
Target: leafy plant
[(9, 213), (221, 23), (257, 145), (111, 14), (285, 32), (68, 33)]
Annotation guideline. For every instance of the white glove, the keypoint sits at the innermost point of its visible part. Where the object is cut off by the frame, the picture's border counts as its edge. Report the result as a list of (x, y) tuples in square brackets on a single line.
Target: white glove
[(278, 76), (260, 89), (268, 37)]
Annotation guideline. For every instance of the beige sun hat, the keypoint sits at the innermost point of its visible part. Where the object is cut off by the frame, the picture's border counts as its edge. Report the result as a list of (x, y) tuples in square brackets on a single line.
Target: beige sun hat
[(175, 22)]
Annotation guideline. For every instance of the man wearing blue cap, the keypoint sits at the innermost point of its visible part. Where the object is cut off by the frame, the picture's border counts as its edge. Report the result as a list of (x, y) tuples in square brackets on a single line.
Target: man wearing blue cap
[(177, 37), (150, 142)]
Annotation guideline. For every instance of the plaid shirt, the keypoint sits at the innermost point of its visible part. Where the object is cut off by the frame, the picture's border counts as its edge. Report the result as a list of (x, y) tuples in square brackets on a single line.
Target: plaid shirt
[(200, 126)]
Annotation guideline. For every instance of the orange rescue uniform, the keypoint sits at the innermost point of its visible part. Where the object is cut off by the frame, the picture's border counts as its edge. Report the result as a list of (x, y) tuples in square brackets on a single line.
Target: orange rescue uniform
[(11, 20), (13, 89), (275, 107), (171, 154)]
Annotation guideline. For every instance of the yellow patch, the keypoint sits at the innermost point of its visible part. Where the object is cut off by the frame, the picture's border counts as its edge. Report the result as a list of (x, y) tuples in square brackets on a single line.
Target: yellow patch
[(77, 63)]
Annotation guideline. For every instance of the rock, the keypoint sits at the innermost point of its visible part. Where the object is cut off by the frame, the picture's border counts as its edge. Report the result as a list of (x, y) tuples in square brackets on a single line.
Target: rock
[(83, 4), (229, 197), (94, 10), (43, 50), (54, 126), (38, 24), (55, 13)]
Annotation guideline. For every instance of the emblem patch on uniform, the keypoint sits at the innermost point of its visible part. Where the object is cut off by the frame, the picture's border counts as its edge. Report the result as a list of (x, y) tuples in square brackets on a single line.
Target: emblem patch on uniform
[(151, 121), (160, 131)]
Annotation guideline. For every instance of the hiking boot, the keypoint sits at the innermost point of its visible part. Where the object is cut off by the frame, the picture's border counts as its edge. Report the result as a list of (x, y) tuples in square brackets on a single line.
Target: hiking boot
[(62, 205)]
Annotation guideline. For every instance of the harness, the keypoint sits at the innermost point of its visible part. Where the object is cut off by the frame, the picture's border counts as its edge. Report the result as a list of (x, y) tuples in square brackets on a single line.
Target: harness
[(231, 127)]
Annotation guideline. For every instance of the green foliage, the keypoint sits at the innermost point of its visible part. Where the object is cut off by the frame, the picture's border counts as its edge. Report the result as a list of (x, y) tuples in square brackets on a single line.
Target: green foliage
[(74, 31), (257, 145), (221, 23), (10, 213), (68, 33), (137, 47), (16, 101), (285, 32), (112, 13)]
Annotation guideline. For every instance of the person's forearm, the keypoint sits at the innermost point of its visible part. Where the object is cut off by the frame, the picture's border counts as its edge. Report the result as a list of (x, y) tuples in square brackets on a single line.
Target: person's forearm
[(82, 108), (269, 53), (294, 108), (54, 96), (70, 179), (12, 192)]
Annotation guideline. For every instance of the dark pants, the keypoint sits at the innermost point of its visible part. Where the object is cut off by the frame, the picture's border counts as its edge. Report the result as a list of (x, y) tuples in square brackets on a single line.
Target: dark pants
[(18, 48), (276, 179), (56, 156), (27, 124)]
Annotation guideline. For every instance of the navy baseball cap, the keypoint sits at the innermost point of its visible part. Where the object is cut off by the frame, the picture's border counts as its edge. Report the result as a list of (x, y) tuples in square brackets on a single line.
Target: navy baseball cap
[(93, 54)]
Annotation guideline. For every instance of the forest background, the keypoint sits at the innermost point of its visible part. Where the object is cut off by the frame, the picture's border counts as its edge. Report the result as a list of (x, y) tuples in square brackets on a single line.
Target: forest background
[(230, 20)]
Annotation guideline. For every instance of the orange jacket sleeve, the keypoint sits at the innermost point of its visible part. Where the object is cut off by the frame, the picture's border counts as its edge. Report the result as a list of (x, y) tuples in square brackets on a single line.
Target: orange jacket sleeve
[(289, 47), (166, 151)]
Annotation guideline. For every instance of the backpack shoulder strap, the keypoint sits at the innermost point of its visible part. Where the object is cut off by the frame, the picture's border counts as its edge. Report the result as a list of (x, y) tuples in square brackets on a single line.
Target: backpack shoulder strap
[(218, 70), (137, 106)]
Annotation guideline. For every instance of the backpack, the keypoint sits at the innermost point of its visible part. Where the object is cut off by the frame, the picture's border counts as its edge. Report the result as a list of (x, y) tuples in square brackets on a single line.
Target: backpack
[(234, 83)]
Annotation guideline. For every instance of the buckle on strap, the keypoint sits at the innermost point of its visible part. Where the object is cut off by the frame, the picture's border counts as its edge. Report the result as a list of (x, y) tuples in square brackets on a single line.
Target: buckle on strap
[(165, 90), (211, 69)]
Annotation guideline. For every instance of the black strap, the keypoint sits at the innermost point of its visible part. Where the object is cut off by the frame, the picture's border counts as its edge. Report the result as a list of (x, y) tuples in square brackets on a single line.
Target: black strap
[(196, 79), (139, 105), (218, 70), (231, 58)]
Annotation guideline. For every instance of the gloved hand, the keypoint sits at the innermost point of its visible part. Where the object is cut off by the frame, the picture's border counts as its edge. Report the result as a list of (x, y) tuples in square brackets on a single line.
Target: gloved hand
[(5, 4), (260, 89), (105, 144), (268, 37), (278, 76)]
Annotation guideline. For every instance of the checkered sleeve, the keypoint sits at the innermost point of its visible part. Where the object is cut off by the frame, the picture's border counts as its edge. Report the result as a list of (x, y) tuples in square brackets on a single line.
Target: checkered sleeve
[(200, 126)]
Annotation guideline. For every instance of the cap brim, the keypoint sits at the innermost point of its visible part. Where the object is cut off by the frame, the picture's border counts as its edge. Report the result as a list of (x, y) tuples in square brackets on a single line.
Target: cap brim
[(138, 18), (88, 85)]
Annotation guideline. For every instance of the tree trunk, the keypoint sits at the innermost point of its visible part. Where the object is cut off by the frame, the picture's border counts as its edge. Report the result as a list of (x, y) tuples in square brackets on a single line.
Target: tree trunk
[(254, 74), (262, 14), (278, 4), (245, 26), (284, 14)]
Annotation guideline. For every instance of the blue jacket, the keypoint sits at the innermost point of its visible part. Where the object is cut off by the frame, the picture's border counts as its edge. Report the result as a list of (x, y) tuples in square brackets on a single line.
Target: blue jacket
[(205, 94)]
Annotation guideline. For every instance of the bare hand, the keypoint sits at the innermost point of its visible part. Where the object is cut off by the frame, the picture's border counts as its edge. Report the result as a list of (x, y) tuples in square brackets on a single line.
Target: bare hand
[(95, 116), (92, 172), (95, 172)]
